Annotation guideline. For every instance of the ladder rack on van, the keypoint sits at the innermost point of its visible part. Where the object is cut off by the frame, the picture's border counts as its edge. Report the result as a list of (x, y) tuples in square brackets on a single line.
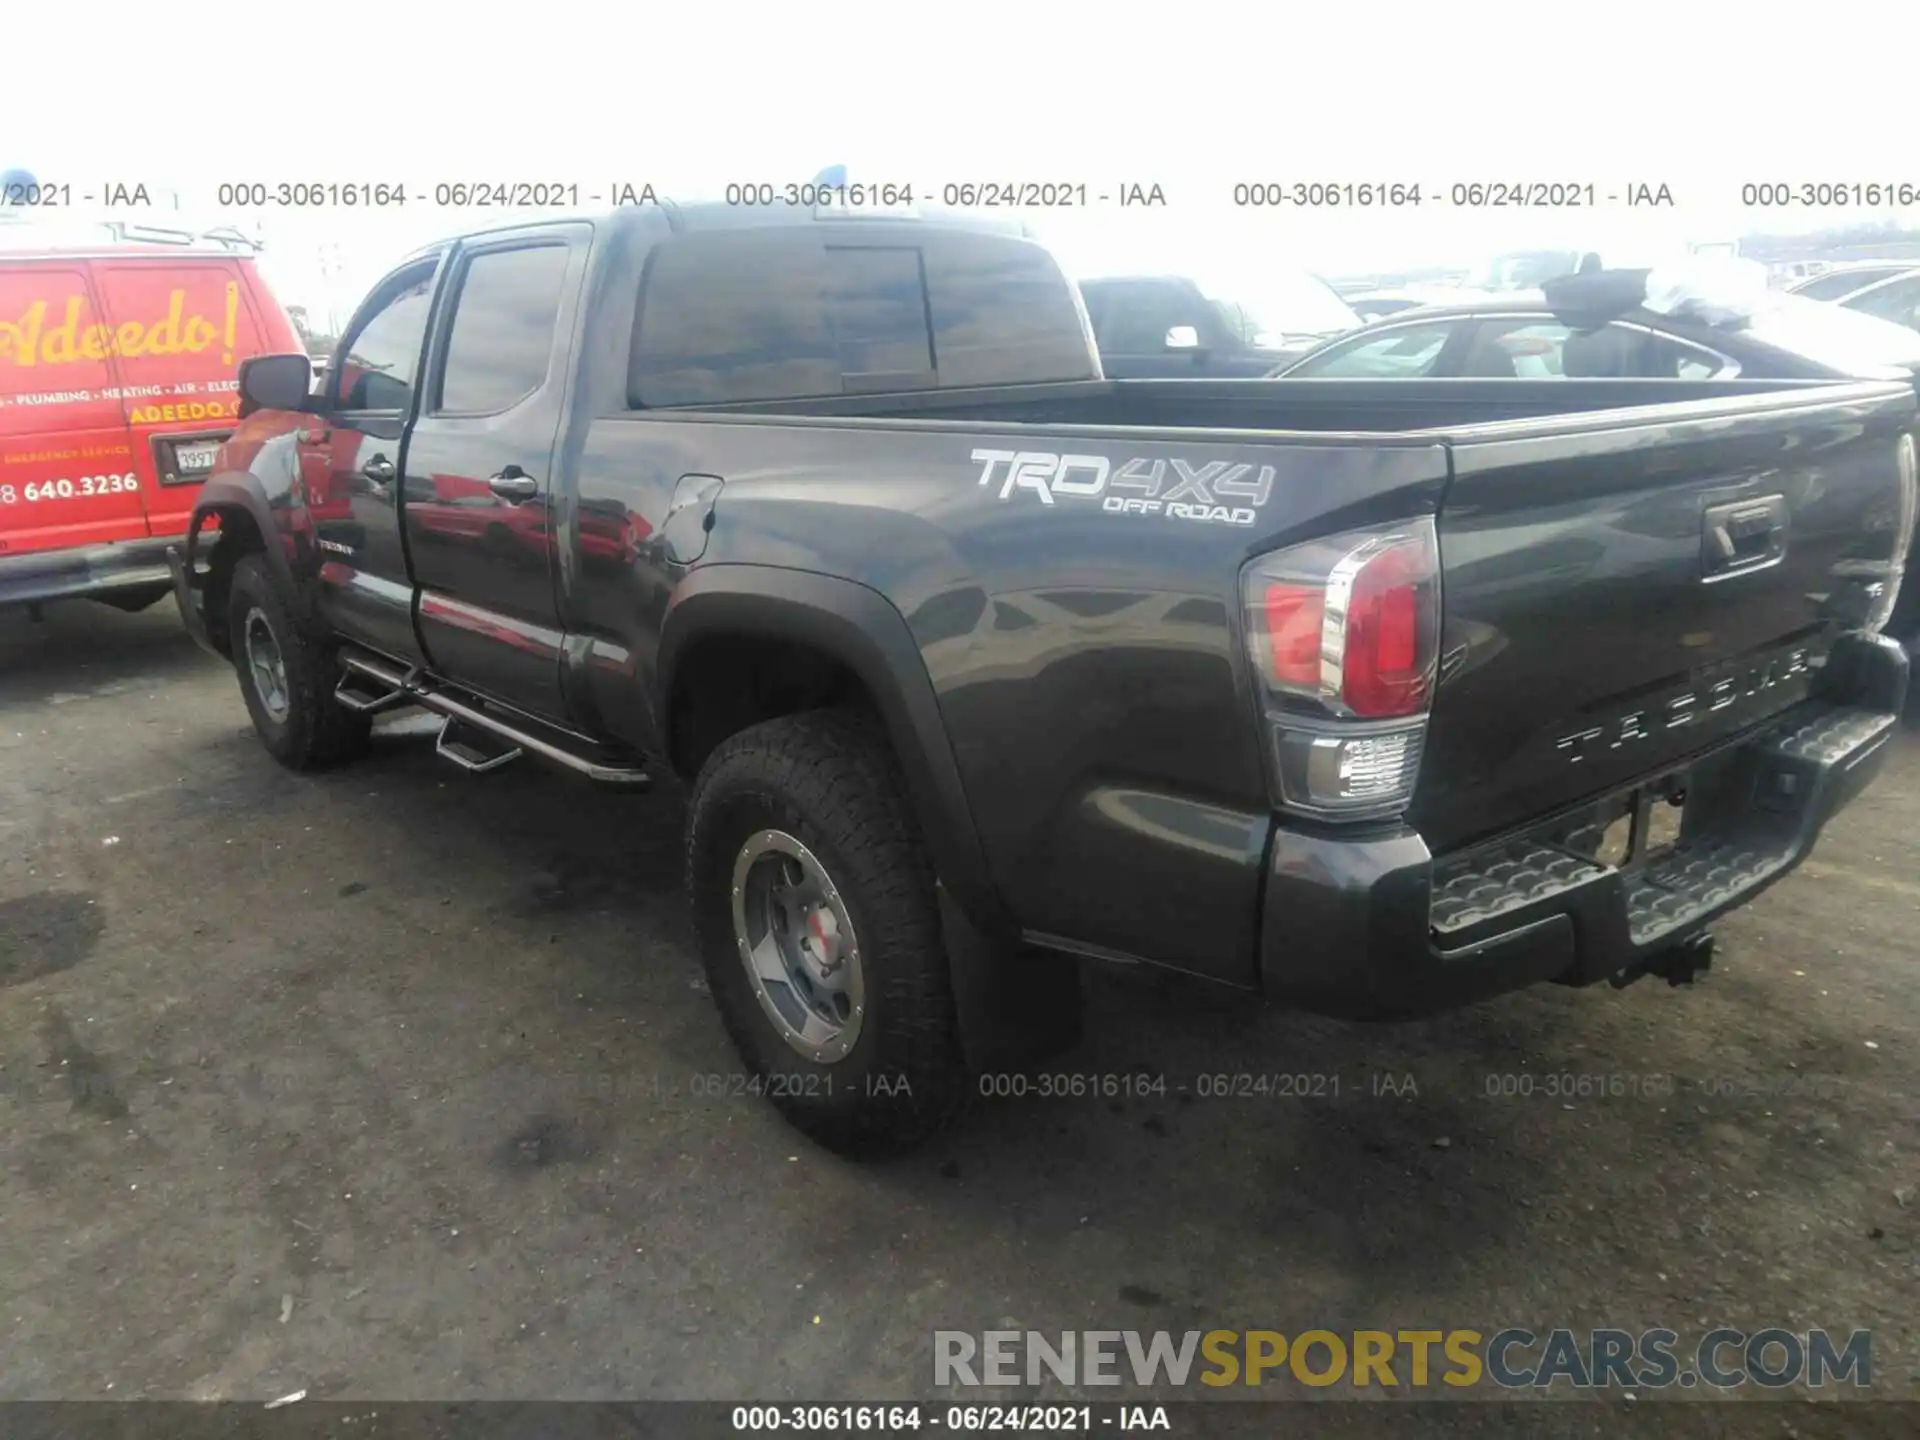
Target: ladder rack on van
[(31, 229)]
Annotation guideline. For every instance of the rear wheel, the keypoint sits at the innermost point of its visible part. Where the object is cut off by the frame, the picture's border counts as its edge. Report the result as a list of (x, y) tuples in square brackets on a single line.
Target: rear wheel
[(819, 930), (287, 678)]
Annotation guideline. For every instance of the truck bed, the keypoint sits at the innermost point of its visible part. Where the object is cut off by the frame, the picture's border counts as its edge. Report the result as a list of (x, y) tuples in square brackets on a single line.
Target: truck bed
[(1089, 662), (1345, 406)]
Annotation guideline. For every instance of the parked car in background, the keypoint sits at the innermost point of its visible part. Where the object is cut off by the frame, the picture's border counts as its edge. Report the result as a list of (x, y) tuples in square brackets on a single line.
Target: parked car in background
[(1581, 328), (1843, 279), (1372, 305), (117, 387), (1526, 269), (1171, 326), (1785, 273), (1896, 299), (1589, 327)]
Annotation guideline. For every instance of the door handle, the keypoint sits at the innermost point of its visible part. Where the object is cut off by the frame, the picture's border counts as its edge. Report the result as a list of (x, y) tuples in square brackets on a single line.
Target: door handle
[(513, 485), (379, 470)]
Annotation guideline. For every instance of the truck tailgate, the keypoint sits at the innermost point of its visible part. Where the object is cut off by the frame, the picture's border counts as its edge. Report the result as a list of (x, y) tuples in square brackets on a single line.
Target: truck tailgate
[(1624, 590)]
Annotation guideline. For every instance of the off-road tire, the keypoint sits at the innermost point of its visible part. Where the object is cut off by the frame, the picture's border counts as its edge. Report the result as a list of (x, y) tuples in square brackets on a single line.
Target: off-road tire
[(318, 731), (828, 778)]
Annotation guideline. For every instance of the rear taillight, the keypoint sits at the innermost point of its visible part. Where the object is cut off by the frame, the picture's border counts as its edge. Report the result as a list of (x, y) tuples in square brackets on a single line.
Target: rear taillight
[(1344, 637)]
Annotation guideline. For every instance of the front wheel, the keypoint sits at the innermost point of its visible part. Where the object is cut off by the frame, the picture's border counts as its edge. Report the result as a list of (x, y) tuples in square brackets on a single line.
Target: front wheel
[(287, 678), (818, 926)]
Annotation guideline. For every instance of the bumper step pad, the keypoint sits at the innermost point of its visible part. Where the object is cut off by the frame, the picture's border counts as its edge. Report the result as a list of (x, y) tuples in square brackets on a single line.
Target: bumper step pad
[(1828, 738), (1669, 891), (1499, 882), (1692, 880)]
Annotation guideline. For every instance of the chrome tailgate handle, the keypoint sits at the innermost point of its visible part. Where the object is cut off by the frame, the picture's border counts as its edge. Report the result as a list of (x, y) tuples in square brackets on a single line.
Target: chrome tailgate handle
[(1743, 535)]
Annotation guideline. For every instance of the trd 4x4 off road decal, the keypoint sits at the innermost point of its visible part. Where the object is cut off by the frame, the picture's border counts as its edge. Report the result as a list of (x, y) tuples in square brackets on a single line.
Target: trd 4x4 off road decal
[(1219, 492)]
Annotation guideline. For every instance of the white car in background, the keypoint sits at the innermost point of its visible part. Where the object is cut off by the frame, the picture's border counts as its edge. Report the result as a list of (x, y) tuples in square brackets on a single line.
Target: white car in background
[(1849, 277), (1895, 297)]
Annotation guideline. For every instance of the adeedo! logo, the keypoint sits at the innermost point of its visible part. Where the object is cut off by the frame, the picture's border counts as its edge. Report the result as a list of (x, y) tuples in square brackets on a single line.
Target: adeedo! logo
[(1215, 492)]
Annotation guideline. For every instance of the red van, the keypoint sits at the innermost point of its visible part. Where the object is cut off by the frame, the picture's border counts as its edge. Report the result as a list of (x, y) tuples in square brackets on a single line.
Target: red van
[(117, 387)]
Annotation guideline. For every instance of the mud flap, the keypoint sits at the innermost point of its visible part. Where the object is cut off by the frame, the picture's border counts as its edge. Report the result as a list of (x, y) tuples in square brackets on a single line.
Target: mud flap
[(1016, 1005)]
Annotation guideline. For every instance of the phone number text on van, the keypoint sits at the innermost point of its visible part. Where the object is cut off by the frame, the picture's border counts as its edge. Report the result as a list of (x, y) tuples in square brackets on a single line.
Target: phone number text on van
[(86, 485)]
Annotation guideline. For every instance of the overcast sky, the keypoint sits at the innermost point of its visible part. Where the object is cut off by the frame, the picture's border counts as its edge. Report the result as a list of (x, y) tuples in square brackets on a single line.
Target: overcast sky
[(1700, 97)]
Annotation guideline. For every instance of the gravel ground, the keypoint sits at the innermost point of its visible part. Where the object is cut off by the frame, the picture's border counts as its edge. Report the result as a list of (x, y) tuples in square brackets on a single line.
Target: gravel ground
[(389, 1083)]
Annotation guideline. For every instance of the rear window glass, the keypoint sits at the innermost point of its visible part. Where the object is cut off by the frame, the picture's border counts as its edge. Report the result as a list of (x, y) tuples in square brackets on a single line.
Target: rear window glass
[(775, 315), (877, 301), (733, 317), (1003, 314)]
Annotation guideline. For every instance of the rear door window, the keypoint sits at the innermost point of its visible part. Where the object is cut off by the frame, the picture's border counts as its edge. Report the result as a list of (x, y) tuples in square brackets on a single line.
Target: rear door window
[(501, 345), (1404, 352)]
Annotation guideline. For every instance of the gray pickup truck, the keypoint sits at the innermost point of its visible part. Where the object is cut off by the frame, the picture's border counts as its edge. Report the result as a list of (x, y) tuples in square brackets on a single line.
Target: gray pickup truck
[(1363, 697)]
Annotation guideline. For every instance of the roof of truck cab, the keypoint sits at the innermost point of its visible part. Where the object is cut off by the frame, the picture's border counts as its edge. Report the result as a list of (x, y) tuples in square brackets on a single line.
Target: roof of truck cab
[(1133, 276), (716, 215)]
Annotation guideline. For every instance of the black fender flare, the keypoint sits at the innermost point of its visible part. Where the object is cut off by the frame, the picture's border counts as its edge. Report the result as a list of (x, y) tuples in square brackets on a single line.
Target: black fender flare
[(243, 490), (859, 627), (238, 489)]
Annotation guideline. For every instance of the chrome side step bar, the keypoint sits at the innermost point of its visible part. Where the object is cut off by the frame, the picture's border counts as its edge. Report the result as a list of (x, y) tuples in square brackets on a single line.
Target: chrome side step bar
[(474, 750), (414, 688), (356, 694)]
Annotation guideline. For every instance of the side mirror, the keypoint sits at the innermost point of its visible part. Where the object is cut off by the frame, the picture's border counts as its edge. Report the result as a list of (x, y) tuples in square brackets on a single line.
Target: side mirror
[(1183, 337), (275, 382)]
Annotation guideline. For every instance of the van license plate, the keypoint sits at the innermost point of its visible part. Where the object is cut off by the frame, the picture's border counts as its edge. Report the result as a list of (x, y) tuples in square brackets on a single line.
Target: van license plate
[(196, 458)]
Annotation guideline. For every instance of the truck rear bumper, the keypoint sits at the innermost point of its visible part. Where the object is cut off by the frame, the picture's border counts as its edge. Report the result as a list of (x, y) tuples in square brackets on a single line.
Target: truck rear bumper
[(1379, 928), (82, 571)]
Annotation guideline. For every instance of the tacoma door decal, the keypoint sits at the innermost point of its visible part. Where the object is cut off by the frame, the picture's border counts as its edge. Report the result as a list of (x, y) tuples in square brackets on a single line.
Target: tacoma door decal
[(1213, 492)]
